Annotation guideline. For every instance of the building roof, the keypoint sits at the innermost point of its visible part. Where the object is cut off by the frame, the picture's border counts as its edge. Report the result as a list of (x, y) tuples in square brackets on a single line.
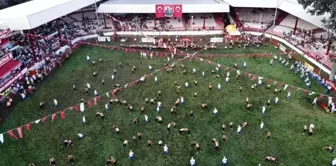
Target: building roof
[(148, 6), (32, 14), (290, 6)]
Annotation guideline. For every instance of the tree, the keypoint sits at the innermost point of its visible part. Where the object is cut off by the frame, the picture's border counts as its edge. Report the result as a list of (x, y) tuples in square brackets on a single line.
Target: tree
[(320, 7)]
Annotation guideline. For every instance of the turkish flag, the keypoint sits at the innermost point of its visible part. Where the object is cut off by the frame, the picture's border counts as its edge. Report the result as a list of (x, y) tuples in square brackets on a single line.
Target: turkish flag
[(159, 12), (19, 130), (28, 126), (62, 114), (11, 133), (177, 11)]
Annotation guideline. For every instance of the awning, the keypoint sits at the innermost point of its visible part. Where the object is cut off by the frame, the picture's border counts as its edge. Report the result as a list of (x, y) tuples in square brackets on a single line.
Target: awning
[(32, 14), (8, 67)]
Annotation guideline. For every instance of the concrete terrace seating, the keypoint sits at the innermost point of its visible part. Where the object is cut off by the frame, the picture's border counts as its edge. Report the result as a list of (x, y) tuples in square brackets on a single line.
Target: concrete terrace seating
[(176, 23), (254, 19), (289, 21), (198, 21), (282, 29), (255, 25), (252, 15), (305, 25)]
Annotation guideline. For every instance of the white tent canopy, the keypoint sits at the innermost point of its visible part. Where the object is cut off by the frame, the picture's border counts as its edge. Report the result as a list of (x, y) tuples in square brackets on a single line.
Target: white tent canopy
[(32, 14), (148, 6), (290, 6)]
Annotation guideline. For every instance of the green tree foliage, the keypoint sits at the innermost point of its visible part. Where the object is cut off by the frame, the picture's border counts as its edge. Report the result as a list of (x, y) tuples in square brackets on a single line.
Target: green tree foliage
[(320, 7)]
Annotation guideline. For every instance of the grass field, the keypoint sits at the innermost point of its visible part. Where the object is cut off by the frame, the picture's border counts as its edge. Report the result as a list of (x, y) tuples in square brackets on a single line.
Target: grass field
[(285, 121)]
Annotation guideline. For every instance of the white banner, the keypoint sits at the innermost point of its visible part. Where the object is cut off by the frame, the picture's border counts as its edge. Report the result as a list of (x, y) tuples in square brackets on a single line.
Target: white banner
[(104, 39), (216, 40), (147, 40)]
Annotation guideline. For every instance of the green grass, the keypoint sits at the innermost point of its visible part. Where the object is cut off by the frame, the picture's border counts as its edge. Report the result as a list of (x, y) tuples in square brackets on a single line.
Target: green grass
[(285, 120)]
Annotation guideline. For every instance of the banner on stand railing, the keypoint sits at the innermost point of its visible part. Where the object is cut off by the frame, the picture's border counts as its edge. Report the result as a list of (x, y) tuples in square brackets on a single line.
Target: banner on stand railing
[(216, 40), (147, 40), (104, 39)]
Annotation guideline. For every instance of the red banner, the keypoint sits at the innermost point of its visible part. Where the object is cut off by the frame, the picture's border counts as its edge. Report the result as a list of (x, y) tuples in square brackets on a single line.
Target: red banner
[(177, 11), (168, 11), (159, 13)]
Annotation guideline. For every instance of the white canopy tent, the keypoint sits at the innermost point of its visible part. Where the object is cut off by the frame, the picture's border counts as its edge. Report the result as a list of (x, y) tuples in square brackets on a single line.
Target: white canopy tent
[(290, 6), (148, 6), (32, 14)]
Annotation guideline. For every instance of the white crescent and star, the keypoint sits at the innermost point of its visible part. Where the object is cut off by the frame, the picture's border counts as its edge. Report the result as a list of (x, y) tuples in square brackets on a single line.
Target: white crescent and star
[(159, 8), (178, 8)]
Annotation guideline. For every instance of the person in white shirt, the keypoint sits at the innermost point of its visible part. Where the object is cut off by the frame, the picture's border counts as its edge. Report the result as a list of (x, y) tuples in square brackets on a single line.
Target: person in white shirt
[(155, 79), (288, 95), (261, 125), (263, 109), (227, 79), (88, 86), (192, 161), (259, 81), (333, 163), (83, 119), (56, 103), (95, 92), (107, 107), (239, 130), (186, 84), (193, 71), (80, 135), (218, 86), (150, 68), (276, 100), (131, 155), (224, 161), (146, 119), (112, 77), (215, 112), (23, 96), (88, 58), (314, 101), (203, 74), (244, 64), (217, 69), (165, 149)]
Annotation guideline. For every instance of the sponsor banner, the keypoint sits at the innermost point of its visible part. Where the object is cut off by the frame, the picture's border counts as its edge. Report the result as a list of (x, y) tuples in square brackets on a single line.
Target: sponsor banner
[(168, 11), (9, 83), (308, 66), (216, 40), (147, 40), (282, 48), (104, 39), (6, 58), (4, 33)]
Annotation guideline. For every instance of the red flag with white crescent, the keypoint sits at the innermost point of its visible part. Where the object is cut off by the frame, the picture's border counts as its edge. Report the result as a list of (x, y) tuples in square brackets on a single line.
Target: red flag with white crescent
[(159, 11), (177, 11)]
